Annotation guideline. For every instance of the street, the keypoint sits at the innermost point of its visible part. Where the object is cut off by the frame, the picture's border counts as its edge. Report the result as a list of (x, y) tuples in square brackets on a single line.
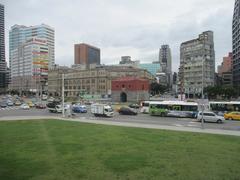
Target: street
[(140, 118)]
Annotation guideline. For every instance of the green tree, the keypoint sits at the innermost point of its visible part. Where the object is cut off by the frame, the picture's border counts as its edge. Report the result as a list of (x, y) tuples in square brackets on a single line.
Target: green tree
[(223, 92), (157, 88)]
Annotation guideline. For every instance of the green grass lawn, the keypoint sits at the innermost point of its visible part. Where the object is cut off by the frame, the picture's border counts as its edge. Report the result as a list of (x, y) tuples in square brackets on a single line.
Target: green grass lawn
[(42, 150)]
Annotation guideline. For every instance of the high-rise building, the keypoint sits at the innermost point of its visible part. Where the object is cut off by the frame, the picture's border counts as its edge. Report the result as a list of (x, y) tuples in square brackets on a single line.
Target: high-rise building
[(226, 65), (165, 59), (225, 70), (29, 66), (151, 67), (236, 43), (3, 65), (19, 34), (197, 64), (86, 54)]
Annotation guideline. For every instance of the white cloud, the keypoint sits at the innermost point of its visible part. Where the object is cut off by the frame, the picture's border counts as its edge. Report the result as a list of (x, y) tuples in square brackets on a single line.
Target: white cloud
[(136, 28)]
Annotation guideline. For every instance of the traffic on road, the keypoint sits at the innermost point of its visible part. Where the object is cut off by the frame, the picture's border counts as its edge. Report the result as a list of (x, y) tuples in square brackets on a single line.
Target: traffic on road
[(171, 113)]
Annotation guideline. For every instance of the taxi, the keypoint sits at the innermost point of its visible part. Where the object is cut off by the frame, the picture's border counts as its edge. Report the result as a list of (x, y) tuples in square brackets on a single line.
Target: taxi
[(30, 104), (232, 116)]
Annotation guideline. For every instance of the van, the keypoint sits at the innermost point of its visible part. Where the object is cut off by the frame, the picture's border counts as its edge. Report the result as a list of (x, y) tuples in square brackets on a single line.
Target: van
[(210, 117)]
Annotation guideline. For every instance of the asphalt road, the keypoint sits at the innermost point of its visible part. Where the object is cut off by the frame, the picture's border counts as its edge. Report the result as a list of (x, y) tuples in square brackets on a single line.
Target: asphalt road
[(140, 118)]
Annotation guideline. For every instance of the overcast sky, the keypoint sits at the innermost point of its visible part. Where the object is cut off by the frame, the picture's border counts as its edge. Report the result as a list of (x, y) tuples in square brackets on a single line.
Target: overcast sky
[(125, 27)]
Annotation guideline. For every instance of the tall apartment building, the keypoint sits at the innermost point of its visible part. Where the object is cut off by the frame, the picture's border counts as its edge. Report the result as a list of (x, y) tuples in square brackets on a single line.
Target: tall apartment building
[(236, 43), (3, 65), (86, 54), (226, 65), (165, 59), (197, 64), (19, 34), (29, 66), (225, 70)]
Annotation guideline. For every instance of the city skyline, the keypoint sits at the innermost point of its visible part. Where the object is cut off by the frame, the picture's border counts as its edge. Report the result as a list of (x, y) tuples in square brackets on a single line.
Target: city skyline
[(122, 28)]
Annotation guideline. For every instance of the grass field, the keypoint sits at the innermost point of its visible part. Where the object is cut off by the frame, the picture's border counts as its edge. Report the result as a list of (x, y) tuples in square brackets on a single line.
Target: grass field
[(42, 150)]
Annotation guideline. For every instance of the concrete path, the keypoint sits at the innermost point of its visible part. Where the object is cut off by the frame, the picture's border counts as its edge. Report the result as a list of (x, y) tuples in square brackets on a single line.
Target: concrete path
[(127, 124)]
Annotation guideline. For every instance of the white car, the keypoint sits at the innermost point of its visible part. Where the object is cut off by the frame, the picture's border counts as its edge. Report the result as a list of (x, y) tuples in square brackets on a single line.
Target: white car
[(25, 106), (210, 117), (59, 108), (10, 103)]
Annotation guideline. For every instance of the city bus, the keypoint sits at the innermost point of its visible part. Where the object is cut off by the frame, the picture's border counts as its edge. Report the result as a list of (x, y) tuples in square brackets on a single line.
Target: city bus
[(145, 107), (173, 109), (224, 107)]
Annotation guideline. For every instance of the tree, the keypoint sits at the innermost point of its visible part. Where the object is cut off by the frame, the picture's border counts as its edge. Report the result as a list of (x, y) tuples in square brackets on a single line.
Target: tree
[(157, 88), (223, 92)]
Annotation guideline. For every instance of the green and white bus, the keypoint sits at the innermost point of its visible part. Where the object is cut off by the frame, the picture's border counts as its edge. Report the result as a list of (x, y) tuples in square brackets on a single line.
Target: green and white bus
[(173, 109)]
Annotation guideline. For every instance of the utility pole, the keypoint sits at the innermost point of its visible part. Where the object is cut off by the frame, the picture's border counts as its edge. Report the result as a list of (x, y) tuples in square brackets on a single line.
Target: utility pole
[(202, 120), (63, 93)]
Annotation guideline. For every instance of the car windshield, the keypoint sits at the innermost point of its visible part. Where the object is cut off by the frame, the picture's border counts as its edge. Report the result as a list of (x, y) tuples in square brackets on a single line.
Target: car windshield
[(108, 109)]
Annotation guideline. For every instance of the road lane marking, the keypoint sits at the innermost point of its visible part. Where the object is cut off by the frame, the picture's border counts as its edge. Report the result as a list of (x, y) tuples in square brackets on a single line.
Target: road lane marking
[(189, 125), (178, 125)]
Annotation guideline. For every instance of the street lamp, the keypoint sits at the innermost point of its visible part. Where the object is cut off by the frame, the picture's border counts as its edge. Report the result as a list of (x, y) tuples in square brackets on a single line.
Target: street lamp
[(202, 120), (63, 93)]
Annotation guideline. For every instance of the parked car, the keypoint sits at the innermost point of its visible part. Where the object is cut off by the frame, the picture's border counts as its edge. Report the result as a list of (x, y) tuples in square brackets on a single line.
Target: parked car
[(30, 104), (134, 106), (18, 103), (25, 106), (10, 103), (232, 116), (51, 99), (9, 96), (127, 111), (210, 117), (40, 106), (3, 104), (77, 104), (44, 97), (79, 109)]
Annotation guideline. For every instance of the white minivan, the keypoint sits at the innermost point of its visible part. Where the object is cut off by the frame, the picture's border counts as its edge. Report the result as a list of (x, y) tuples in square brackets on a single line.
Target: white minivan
[(210, 117)]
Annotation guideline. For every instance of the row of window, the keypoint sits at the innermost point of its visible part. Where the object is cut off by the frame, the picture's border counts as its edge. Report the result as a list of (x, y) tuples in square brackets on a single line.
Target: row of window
[(84, 81), (83, 87)]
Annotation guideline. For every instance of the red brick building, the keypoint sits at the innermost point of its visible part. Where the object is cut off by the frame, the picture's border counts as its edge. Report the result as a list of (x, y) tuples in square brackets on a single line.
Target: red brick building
[(130, 89)]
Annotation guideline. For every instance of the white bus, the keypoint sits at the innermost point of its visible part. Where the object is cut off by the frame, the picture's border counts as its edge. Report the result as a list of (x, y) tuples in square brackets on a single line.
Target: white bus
[(145, 107), (224, 107), (174, 109)]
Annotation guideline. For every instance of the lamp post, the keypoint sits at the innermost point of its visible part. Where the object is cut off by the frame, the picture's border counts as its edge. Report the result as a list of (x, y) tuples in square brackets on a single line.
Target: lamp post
[(202, 78), (63, 110), (202, 120)]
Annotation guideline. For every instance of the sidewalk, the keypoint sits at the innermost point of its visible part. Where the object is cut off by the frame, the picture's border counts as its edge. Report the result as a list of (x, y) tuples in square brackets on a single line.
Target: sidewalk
[(127, 124)]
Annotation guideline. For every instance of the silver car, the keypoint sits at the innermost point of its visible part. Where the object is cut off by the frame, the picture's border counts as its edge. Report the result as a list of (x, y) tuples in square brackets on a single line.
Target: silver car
[(210, 117)]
